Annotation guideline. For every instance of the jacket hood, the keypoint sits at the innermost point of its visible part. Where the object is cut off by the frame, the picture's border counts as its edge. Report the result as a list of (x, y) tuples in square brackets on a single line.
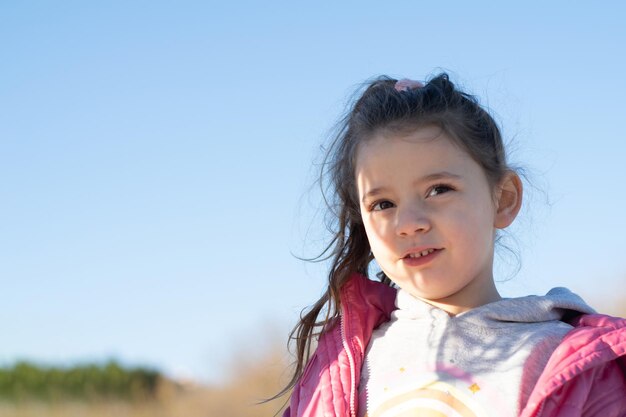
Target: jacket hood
[(557, 304)]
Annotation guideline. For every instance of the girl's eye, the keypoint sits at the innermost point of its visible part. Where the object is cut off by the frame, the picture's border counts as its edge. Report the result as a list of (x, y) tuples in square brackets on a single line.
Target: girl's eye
[(381, 205), (439, 189)]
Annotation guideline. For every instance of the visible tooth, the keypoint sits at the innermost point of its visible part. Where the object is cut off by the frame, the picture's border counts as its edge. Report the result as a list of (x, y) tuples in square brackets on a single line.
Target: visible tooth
[(422, 253)]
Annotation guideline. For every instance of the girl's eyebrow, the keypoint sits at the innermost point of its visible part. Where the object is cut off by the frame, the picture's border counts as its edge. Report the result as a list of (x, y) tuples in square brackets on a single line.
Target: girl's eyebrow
[(373, 193), (443, 175), (437, 176)]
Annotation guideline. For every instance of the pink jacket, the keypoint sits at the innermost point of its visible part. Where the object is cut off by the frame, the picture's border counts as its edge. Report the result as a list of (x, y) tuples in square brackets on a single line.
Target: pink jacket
[(586, 375)]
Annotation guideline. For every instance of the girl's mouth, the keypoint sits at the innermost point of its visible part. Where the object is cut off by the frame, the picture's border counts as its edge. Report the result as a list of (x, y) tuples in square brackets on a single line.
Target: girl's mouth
[(420, 254), (421, 257)]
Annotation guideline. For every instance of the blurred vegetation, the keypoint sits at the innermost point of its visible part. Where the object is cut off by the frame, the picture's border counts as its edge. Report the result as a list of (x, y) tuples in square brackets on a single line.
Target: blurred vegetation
[(108, 390), (26, 381)]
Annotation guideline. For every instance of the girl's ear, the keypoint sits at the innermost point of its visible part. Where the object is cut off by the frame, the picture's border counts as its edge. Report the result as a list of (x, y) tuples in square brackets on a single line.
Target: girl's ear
[(508, 200)]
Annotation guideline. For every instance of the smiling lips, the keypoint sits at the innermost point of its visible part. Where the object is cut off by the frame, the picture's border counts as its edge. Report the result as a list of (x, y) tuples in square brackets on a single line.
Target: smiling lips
[(420, 257), (420, 254)]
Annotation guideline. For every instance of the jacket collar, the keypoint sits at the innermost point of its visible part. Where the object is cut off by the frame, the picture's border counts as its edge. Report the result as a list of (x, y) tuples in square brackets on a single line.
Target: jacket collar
[(365, 304)]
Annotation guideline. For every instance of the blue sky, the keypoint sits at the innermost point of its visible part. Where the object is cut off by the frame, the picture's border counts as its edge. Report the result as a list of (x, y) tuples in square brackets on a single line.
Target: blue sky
[(157, 160)]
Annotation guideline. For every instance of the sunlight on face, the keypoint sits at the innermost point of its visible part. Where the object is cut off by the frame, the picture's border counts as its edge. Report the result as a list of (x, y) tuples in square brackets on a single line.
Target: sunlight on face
[(429, 214)]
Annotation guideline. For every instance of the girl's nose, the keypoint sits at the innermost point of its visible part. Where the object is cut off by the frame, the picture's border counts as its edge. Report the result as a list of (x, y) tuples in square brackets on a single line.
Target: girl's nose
[(412, 221)]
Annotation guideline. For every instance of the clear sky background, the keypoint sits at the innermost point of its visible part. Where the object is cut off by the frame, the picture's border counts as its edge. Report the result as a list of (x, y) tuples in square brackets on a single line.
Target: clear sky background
[(157, 159)]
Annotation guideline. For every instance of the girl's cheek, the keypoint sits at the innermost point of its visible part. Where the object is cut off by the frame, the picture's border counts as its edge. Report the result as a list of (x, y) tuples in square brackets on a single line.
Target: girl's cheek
[(381, 231), (375, 237)]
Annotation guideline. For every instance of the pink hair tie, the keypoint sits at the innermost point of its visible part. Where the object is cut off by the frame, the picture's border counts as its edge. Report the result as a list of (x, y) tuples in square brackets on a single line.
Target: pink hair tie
[(406, 85)]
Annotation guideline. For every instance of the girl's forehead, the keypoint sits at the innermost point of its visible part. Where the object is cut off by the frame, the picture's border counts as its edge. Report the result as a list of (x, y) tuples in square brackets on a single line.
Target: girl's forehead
[(409, 161), (426, 147)]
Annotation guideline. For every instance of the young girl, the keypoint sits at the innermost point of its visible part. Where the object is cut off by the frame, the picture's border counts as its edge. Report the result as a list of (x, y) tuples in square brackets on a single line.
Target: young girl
[(422, 186)]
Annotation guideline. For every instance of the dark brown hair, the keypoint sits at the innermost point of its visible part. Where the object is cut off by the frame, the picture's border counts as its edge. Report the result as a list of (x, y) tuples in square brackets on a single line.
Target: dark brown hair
[(382, 108)]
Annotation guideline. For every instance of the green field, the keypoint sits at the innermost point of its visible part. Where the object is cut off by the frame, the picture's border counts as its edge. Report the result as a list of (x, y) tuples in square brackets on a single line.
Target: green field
[(103, 390)]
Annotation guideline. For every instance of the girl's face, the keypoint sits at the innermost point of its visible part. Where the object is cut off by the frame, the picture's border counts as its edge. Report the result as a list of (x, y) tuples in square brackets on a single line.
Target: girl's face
[(430, 217)]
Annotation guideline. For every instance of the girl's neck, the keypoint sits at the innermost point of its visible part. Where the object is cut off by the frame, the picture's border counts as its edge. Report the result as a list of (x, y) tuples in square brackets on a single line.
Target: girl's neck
[(461, 301)]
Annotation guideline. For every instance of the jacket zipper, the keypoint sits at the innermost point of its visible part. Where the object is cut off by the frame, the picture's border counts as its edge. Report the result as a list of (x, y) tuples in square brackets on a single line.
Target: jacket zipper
[(346, 347)]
